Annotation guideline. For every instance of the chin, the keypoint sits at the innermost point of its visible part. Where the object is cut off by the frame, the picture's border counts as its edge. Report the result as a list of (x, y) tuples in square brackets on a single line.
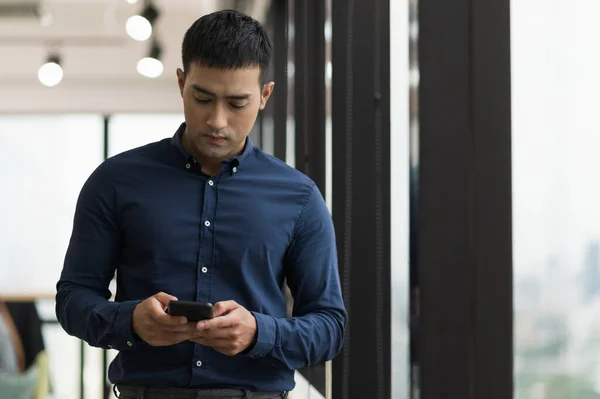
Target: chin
[(217, 154)]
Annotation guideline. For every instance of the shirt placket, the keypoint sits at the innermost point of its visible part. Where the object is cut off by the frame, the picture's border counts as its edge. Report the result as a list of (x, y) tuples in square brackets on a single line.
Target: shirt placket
[(204, 273)]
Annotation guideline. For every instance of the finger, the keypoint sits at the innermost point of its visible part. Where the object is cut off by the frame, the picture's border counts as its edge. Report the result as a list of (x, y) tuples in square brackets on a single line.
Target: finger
[(227, 333), (185, 328), (223, 307), (164, 299), (229, 320), (159, 315)]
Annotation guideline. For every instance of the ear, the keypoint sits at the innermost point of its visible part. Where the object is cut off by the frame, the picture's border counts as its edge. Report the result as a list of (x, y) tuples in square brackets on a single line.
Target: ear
[(265, 94), (180, 80)]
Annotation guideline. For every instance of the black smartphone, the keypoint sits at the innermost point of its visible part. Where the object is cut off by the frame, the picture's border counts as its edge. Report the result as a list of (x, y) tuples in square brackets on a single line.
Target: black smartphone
[(193, 311)]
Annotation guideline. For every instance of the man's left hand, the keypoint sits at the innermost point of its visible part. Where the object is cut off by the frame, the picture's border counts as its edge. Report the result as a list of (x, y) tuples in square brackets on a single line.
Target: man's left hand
[(231, 331)]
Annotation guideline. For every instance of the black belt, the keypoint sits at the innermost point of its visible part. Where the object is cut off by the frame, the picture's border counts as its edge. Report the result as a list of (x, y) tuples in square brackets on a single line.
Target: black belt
[(145, 392)]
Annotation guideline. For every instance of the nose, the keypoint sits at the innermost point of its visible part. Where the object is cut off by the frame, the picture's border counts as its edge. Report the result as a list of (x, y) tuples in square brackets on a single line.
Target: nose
[(217, 119)]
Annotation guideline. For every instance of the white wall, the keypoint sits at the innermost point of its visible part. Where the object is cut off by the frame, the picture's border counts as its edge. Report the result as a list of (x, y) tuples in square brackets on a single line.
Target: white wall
[(104, 97)]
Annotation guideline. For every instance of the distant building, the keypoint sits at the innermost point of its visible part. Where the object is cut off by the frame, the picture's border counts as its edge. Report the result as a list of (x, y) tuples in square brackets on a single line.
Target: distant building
[(591, 271)]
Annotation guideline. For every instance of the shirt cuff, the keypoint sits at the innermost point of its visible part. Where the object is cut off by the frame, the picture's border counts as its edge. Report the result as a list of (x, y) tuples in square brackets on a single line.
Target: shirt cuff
[(266, 330), (124, 336)]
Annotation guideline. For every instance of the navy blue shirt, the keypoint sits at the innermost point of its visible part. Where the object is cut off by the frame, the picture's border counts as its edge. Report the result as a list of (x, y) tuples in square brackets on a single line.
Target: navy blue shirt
[(153, 217)]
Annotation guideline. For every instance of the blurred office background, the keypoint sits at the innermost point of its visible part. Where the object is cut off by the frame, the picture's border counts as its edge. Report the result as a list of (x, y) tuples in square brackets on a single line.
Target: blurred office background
[(456, 144)]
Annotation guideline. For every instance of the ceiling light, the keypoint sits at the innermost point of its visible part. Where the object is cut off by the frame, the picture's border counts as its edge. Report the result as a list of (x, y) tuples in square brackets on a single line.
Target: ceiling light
[(46, 18), (51, 73), (132, 1), (139, 27), (151, 66)]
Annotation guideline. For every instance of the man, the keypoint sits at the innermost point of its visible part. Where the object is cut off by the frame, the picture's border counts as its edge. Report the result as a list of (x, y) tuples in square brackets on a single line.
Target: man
[(205, 216)]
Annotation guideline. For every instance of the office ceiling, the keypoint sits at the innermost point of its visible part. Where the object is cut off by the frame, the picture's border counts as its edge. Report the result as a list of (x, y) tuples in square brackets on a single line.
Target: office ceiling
[(90, 37)]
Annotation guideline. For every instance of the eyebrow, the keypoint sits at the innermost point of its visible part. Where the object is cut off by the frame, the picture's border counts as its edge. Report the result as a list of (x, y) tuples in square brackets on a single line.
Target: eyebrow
[(230, 97)]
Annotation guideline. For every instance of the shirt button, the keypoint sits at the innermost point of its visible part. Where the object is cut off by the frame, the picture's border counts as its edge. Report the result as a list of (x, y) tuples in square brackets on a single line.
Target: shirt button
[(211, 183), (199, 363), (234, 169), (204, 270), (187, 166), (207, 223), (129, 343)]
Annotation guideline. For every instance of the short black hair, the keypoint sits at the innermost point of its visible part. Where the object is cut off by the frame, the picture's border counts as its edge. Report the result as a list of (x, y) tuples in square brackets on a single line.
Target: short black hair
[(227, 39)]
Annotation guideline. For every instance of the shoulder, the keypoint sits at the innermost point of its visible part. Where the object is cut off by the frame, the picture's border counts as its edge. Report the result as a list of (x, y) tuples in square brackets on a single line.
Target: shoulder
[(309, 198), (150, 152), (121, 166), (120, 163), (281, 171)]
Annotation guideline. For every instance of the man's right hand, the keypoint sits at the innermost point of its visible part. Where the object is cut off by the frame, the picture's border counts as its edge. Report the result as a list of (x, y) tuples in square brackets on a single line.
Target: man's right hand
[(155, 326)]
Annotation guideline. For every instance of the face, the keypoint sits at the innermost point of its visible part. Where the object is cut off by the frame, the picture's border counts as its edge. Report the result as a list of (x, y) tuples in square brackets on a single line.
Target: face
[(220, 107)]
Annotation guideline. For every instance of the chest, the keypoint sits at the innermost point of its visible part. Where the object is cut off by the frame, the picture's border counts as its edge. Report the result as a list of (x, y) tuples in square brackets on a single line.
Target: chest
[(236, 218)]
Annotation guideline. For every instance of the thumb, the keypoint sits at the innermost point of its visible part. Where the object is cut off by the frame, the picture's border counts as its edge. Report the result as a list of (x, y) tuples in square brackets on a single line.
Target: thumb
[(224, 307), (164, 298)]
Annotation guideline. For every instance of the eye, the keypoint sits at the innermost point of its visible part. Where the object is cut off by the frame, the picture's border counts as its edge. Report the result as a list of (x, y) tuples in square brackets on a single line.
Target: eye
[(201, 100), (236, 106)]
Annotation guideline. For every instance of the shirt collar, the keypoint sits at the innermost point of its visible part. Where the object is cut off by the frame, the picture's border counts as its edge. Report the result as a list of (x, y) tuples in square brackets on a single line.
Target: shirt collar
[(237, 160)]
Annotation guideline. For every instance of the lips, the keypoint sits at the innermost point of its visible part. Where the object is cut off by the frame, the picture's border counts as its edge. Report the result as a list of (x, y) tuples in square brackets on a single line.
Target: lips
[(215, 139)]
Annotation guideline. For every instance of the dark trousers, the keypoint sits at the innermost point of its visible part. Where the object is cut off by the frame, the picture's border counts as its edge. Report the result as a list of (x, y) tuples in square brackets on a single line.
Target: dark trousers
[(143, 392)]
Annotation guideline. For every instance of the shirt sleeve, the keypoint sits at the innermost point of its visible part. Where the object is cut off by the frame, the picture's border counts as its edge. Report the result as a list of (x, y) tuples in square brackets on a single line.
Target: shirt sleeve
[(315, 333), (82, 299)]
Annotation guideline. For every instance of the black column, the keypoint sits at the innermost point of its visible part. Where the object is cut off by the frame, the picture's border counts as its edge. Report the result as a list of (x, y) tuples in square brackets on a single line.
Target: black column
[(278, 104), (361, 193), (309, 88), (465, 253), (309, 112)]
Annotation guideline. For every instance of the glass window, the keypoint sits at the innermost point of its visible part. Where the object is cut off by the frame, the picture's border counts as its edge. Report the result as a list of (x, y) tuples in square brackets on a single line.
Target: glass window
[(45, 162), (556, 195)]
